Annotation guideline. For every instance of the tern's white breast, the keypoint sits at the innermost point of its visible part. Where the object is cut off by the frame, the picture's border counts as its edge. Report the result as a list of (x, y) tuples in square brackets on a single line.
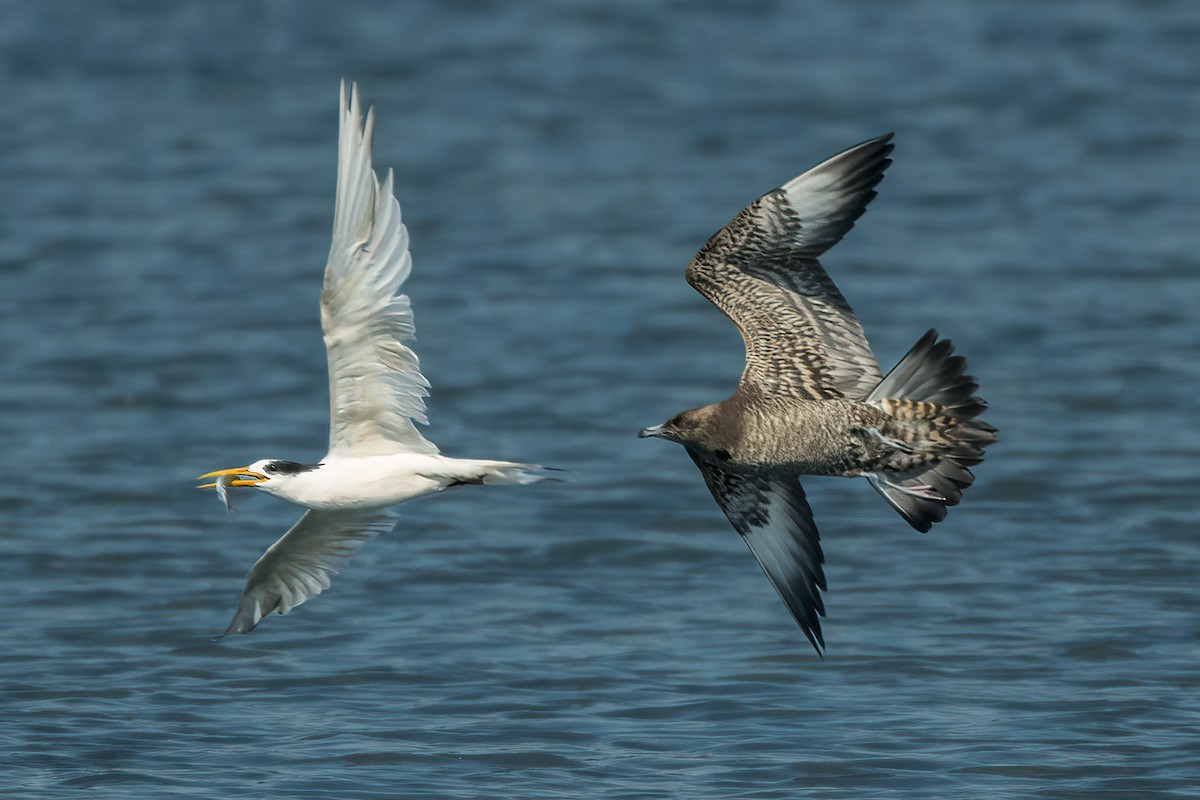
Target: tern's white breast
[(374, 482)]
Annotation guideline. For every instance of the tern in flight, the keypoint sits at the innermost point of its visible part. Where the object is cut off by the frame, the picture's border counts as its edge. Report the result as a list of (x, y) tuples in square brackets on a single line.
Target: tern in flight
[(377, 458), (812, 399)]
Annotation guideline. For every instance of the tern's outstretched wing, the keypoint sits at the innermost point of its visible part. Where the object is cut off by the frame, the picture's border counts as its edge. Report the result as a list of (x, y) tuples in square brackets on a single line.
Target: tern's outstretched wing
[(774, 519), (297, 567), (802, 339), (376, 389)]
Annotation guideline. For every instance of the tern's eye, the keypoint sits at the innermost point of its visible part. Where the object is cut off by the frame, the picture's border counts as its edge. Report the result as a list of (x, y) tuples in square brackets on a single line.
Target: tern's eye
[(272, 468)]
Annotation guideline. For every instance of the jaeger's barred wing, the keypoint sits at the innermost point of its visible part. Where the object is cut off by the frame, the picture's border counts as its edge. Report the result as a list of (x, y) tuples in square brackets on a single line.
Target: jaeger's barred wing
[(773, 517), (802, 338)]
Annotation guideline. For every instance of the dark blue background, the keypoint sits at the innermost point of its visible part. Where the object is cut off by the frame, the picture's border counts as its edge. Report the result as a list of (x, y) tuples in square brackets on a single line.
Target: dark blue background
[(166, 192)]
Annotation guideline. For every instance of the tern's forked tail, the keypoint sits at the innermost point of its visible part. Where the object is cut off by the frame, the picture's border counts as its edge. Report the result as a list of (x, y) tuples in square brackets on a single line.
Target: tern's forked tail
[(929, 385), (503, 472)]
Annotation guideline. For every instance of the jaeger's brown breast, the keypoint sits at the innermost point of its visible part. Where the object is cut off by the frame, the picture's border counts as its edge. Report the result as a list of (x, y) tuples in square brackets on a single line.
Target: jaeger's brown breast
[(800, 437)]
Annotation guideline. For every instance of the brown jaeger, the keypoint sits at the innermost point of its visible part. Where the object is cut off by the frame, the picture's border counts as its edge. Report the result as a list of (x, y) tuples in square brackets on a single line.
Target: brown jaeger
[(812, 399)]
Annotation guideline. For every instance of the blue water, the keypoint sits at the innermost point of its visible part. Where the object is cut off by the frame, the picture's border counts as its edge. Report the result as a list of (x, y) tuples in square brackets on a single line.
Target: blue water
[(166, 192)]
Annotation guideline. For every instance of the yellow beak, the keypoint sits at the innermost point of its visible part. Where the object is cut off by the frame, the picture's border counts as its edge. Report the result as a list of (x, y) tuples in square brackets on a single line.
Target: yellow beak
[(252, 479)]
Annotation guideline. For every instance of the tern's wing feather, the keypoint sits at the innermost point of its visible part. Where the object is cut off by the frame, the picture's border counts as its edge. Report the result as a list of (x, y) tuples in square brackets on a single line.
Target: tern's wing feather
[(761, 270), (297, 567), (376, 389), (774, 519)]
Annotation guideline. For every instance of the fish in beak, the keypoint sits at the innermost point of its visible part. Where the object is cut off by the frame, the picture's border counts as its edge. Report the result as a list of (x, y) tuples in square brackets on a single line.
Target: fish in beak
[(242, 476), (230, 477)]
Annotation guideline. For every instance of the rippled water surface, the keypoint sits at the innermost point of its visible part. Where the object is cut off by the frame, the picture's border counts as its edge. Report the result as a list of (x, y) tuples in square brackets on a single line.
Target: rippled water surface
[(167, 189)]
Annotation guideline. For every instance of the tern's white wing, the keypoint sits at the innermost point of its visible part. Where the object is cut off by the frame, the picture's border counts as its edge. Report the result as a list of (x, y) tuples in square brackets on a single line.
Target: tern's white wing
[(297, 567), (376, 389)]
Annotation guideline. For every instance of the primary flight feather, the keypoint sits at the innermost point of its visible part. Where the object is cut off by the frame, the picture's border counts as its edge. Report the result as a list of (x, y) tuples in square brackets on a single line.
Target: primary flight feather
[(377, 457)]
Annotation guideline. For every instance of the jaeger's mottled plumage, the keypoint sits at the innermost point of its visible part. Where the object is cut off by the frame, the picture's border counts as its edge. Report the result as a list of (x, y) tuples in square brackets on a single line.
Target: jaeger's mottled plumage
[(812, 400)]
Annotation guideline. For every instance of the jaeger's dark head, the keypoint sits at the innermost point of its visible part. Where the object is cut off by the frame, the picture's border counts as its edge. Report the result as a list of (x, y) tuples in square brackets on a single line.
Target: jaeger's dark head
[(684, 428)]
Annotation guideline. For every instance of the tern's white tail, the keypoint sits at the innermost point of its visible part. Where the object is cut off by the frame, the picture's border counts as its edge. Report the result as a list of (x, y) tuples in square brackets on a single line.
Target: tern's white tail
[(505, 472), (497, 472)]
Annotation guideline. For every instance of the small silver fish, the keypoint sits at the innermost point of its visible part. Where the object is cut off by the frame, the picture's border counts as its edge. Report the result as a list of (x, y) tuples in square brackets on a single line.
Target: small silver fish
[(222, 483)]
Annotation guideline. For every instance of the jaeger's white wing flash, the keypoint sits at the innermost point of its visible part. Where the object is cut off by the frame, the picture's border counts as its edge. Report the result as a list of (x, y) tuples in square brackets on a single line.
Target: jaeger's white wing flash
[(376, 389)]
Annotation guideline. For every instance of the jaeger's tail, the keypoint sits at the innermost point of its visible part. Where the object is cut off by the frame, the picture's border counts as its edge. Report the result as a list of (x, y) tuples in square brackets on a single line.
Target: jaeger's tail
[(928, 388)]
